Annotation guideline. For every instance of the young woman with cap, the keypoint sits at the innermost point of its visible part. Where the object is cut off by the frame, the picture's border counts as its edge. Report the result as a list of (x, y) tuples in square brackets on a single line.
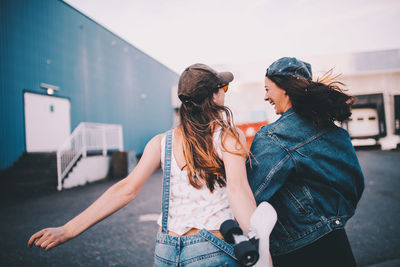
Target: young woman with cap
[(306, 167), (204, 182)]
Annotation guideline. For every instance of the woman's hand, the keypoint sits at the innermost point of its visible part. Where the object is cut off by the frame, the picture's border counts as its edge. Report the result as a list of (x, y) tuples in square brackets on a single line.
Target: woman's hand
[(240, 196), (49, 238)]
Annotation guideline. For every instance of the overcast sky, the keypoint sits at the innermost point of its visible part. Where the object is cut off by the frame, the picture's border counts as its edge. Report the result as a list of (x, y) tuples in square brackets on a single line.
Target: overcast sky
[(179, 33)]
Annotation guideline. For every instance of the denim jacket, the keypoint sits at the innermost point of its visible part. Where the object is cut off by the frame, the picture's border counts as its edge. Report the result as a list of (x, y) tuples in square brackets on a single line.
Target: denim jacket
[(312, 178)]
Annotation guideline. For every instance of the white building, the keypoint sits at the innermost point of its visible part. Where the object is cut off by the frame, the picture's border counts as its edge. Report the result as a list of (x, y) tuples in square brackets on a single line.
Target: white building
[(373, 77)]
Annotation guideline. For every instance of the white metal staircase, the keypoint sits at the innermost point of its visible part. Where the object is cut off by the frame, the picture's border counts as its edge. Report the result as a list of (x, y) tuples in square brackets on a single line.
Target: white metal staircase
[(87, 137)]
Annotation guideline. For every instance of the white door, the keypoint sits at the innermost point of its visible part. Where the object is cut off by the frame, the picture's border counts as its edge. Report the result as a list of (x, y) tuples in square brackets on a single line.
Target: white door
[(47, 122), (363, 122)]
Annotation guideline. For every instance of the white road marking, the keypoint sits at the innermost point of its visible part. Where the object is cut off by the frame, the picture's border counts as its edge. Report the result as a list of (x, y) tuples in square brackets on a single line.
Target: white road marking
[(149, 217)]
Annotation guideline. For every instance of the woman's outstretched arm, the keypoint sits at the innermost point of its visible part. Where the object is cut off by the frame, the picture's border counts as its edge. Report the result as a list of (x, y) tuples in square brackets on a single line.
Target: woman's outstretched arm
[(116, 197), (240, 196)]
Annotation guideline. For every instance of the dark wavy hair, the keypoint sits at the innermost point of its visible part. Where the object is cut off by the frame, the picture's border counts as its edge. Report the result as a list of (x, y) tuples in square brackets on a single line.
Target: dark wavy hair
[(198, 122), (323, 101)]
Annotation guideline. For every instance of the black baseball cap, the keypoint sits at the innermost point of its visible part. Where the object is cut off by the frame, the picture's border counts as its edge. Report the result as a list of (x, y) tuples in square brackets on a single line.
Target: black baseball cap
[(199, 81)]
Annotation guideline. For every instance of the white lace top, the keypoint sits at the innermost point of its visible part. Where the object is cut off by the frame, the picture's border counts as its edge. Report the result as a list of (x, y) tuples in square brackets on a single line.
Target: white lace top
[(194, 208)]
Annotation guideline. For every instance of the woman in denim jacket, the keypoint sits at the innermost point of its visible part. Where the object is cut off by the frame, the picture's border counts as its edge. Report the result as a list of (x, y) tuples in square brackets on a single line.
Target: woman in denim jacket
[(306, 167), (204, 182)]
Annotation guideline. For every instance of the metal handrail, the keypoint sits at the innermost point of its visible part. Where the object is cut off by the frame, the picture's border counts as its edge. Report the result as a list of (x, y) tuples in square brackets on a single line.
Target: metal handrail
[(88, 136)]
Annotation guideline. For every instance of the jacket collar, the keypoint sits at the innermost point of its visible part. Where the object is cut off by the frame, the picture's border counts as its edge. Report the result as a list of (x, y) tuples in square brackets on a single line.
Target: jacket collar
[(288, 112)]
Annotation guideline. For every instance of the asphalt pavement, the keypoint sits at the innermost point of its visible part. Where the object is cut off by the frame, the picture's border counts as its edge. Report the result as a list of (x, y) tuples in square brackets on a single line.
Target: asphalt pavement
[(127, 238)]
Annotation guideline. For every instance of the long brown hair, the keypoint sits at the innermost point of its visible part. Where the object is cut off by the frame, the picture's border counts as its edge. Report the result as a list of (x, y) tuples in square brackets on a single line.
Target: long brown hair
[(322, 101), (198, 122)]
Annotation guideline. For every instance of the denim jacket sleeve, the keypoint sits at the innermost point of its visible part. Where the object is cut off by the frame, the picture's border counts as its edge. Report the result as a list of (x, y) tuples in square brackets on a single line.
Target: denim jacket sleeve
[(269, 166)]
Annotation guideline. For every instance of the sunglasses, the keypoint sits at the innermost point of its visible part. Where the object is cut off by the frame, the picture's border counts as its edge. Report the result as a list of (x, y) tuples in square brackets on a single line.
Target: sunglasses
[(224, 86)]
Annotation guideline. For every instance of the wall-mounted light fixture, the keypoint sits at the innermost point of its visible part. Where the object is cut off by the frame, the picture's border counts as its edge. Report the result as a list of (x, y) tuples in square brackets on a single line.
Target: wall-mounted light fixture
[(50, 89)]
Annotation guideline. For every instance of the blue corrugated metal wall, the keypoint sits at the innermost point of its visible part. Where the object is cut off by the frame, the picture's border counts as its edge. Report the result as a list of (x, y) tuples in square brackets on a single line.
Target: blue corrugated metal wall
[(103, 76)]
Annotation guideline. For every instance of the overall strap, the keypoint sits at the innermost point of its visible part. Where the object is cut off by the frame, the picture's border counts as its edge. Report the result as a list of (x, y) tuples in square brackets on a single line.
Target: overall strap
[(166, 182)]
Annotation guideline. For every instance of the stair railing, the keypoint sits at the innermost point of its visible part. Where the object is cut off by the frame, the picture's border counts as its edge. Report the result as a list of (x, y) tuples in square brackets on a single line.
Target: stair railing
[(86, 137)]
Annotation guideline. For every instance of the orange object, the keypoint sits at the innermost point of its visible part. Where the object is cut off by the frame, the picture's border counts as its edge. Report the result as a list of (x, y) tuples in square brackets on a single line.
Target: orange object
[(250, 130)]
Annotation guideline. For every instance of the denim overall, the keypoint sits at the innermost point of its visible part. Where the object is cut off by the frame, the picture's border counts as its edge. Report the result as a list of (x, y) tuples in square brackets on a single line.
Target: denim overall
[(201, 249)]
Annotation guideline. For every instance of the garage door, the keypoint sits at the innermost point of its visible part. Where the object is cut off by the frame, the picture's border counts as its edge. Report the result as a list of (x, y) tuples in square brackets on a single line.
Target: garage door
[(363, 123)]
